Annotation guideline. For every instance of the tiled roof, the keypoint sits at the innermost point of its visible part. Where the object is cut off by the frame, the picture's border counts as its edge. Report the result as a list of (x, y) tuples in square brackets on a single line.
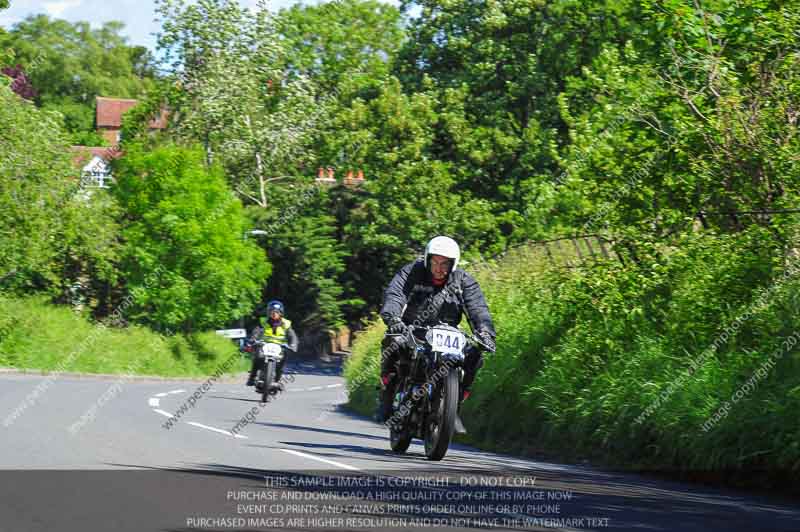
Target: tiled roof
[(83, 154), (110, 110)]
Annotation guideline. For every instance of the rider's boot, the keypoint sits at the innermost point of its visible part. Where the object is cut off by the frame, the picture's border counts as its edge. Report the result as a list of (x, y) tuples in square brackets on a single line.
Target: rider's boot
[(251, 379), (385, 397), (462, 396)]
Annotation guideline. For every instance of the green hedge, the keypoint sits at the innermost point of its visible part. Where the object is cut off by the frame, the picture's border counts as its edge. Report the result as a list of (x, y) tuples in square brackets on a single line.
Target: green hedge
[(587, 358), (38, 335)]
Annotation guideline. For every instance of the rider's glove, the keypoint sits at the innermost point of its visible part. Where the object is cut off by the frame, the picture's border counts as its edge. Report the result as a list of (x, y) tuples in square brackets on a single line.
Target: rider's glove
[(486, 337), (396, 326), (255, 334)]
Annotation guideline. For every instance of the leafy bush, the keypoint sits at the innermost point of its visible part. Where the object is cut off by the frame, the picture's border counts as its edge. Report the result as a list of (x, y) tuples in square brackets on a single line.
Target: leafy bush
[(362, 368)]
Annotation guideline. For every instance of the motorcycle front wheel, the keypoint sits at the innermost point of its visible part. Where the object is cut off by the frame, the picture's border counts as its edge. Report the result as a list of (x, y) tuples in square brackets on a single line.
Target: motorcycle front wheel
[(269, 376), (441, 421), (399, 437)]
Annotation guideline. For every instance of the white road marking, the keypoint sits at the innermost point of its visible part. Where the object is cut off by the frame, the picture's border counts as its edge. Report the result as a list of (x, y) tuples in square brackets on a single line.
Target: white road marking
[(164, 394), (320, 459), (162, 412), (153, 401), (313, 388), (216, 430), (334, 385)]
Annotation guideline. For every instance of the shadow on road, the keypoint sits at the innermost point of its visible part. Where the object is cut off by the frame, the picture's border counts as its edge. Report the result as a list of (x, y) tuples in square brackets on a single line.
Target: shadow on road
[(314, 366), (255, 400), (321, 430)]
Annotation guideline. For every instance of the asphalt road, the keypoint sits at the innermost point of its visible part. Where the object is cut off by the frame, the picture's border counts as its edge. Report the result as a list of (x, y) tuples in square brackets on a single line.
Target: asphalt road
[(99, 454)]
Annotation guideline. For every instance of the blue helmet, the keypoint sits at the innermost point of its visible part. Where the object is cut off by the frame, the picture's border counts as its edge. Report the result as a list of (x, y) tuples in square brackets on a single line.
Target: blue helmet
[(275, 305)]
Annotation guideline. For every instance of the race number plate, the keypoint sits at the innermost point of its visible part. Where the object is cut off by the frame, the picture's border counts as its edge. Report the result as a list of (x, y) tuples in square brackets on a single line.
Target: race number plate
[(273, 350), (447, 341)]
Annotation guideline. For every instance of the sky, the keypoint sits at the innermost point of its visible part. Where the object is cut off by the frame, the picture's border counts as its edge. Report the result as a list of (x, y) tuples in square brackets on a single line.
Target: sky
[(138, 15)]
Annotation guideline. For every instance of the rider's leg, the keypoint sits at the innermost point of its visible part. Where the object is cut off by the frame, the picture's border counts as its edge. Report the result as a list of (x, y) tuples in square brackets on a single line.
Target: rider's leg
[(254, 365), (279, 366), (390, 352), (472, 363)]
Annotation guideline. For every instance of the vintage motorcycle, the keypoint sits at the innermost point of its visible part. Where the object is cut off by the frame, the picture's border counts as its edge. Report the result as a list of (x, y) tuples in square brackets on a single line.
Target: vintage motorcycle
[(266, 382), (426, 399)]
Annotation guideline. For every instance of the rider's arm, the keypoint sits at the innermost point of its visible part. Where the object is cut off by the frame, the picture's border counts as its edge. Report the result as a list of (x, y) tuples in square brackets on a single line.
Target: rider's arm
[(397, 293), (476, 308), (291, 339), (256, 332)]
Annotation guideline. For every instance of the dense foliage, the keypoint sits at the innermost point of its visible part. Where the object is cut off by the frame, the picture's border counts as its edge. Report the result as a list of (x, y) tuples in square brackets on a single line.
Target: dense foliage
[(184, 260), (668, 127), (68, 64), (52, 235)]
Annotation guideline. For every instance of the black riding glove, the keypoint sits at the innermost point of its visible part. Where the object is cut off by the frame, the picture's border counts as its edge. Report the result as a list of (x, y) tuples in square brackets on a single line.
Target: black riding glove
[(486, 337), (396, 326)]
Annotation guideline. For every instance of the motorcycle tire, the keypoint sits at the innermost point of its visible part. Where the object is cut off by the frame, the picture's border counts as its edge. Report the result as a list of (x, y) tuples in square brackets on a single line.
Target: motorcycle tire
[(399, 438), (440, 425), (269, 376)]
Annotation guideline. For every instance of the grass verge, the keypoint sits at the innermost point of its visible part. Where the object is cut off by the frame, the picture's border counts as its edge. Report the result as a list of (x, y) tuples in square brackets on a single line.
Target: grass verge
[(37, 335)]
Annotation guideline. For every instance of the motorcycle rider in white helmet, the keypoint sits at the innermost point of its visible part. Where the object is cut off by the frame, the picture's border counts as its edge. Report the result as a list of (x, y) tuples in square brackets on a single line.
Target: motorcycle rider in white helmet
[(411, 298)]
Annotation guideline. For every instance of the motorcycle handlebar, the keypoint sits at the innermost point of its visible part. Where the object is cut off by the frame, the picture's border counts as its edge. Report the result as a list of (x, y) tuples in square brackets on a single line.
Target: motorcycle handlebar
[(474, 339), (254, 342)]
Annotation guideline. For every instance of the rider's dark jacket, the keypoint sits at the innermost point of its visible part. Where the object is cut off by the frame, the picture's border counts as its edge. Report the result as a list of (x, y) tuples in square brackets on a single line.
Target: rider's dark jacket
[(408, 297)]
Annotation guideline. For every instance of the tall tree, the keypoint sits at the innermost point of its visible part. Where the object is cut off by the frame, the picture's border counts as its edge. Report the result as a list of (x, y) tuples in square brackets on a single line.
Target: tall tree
[(702, 121), (185, 260), (408, 196), (250, 114), (51, 236), (341, 42), (513, 58), (309, 259), (70, 63)]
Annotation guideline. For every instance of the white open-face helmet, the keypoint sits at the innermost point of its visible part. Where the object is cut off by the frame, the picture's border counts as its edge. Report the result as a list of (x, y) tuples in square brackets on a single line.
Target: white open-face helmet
[(444, 246)]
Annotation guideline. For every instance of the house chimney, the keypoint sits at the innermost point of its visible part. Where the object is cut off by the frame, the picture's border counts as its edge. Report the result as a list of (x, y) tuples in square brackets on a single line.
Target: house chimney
[(322, 179), (351, 181)]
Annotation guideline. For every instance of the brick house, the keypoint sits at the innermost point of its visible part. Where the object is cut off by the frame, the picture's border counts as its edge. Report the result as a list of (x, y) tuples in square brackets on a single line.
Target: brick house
[(95, 161), (108, 117)]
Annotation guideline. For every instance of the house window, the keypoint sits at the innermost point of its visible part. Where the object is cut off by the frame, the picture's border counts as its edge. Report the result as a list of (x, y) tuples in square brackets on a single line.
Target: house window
[(96, 174), (96, 179)]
